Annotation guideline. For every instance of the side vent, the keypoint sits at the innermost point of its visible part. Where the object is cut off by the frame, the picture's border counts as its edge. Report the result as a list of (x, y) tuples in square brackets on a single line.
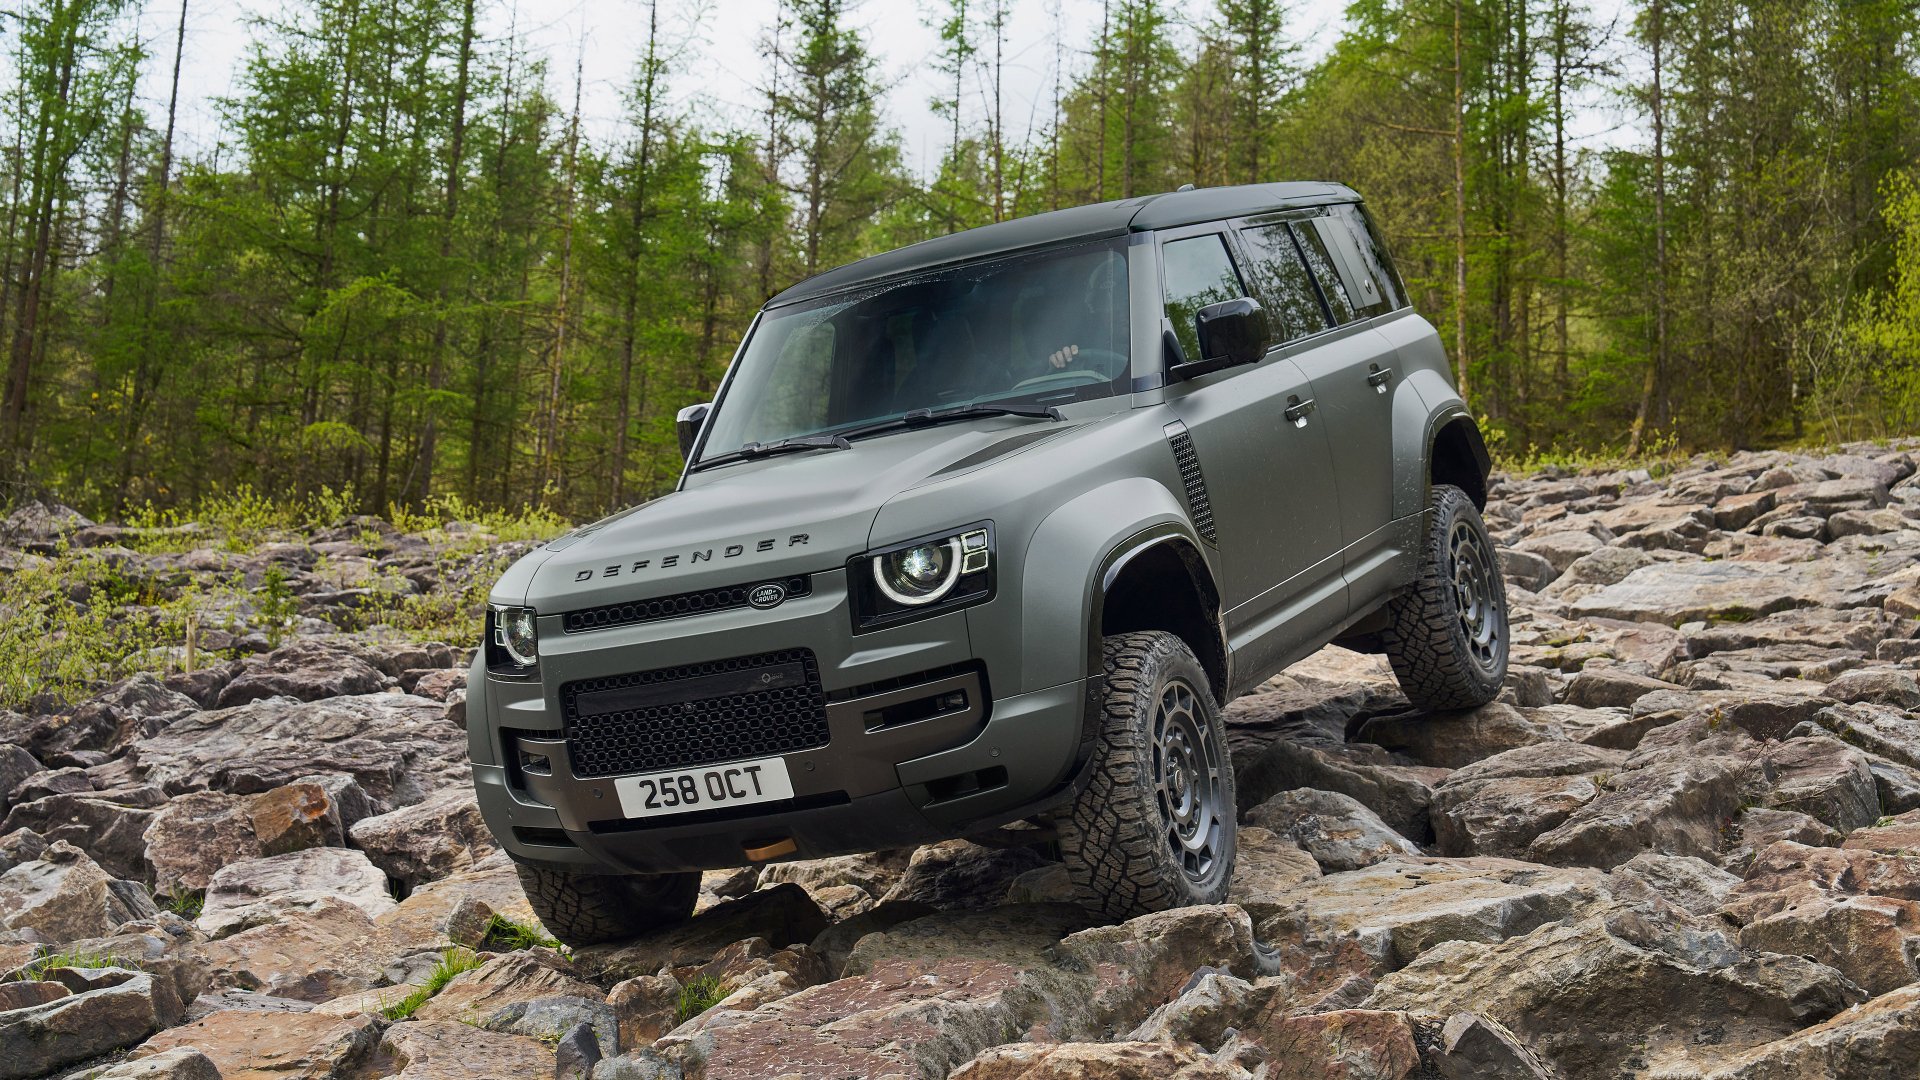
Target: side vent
[(1188, 461)]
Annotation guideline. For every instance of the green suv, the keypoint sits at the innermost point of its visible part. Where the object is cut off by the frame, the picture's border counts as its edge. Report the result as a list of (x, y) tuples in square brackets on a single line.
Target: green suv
[(988, 529)]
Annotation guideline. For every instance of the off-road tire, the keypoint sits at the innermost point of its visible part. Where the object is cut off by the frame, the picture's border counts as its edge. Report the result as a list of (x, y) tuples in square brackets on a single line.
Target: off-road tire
[(1447, 634), (1117, 839), (587, 909)]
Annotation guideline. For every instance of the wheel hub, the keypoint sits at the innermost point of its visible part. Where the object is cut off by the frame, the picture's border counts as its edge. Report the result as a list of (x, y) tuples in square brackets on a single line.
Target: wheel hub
[(1188, 780), (1476, 594)]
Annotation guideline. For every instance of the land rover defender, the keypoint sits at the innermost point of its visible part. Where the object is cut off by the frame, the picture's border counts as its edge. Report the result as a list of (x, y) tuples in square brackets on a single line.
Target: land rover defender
[(988, 530)]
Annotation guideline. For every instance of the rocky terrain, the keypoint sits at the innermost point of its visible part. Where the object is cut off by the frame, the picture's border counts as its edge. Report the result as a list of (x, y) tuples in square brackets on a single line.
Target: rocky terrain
[(1685, 843)]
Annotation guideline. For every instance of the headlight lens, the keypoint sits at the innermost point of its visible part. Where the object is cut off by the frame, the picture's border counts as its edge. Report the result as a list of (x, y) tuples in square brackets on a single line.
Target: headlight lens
[(918, 575), (923, 576), (514, 633)]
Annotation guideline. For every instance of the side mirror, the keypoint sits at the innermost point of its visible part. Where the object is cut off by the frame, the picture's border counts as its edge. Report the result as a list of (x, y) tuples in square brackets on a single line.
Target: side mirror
[(1231, 333), (686, 424)]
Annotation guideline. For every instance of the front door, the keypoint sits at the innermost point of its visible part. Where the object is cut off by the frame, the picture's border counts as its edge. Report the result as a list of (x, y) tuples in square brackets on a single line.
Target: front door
[(1262, 452)]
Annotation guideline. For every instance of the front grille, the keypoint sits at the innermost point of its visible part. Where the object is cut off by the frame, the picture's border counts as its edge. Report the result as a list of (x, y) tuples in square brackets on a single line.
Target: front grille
[(695, 714), (677, 605)]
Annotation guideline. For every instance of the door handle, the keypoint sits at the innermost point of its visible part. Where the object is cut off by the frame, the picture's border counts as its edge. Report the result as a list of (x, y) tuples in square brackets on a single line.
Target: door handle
[(1297, 410), (1378, 378)]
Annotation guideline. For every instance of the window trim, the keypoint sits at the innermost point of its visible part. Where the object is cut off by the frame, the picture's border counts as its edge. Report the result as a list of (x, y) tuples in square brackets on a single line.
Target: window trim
[(1236, 258)]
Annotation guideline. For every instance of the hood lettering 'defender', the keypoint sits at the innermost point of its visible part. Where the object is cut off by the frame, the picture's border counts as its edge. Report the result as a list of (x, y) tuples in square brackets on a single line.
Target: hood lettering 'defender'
[(697, 555)]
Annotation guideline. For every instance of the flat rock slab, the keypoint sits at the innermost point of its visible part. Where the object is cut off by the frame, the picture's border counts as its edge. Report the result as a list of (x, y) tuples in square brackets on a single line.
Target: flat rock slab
[(262, 1045), (1392, 912), (1681, 592), (445, 1050)]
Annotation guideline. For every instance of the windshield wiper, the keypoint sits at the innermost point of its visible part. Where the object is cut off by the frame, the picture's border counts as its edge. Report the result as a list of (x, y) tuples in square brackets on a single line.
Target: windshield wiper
[(928, 417), (783, 446)]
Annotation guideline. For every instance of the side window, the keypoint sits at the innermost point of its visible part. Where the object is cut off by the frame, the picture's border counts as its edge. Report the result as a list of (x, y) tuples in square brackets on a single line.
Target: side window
[(1293, 308), (1373, 252), (1322, 266), (1196, 272)]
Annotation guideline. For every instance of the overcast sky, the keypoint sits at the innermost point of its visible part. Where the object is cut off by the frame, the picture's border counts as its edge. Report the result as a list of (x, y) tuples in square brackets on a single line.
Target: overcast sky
[(720, 66)]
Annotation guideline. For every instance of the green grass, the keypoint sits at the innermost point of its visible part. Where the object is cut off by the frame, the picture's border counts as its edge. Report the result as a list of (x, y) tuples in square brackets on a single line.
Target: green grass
[(506, 935), (697, 997), (78, 619), (452, 962), (71, 958), (187, 903)]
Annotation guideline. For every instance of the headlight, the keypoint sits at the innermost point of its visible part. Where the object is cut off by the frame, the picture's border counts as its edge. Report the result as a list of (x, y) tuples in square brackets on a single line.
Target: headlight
[(935, 573), (513, 643)]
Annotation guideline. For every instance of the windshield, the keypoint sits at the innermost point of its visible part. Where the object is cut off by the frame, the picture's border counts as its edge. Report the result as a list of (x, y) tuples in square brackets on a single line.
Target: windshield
[(1035, 331)]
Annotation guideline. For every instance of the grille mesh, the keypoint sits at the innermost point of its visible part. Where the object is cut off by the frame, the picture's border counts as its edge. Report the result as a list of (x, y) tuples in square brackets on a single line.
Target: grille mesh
[(1188, 461), (680, 731), (675, 606)]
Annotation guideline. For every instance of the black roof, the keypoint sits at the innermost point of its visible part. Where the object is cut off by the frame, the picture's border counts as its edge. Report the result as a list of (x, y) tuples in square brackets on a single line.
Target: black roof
[(1092, 222)]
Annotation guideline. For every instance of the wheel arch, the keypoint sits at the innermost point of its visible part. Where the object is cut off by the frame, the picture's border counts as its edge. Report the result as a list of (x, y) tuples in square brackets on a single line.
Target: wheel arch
[(1457, 455), (1158, 579)]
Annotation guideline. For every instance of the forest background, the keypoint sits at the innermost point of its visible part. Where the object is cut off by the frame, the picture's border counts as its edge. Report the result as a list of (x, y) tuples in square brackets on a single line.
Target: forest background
[(405, 272)]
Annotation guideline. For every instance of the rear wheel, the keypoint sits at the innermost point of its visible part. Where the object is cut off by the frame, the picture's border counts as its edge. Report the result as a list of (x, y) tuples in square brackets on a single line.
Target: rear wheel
[(1447, 635), (1154, 827), (587, 909)]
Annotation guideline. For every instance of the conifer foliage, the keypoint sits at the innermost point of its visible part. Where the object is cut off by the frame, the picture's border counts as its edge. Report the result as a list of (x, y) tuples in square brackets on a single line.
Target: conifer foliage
[(405, 265)]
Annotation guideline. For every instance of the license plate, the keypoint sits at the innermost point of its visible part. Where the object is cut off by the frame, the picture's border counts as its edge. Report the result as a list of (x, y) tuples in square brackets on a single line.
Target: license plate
[(710, 787)]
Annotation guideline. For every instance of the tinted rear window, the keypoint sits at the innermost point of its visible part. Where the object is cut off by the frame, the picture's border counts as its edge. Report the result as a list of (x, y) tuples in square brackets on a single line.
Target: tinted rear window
[(1293, 308), (1373, 251)]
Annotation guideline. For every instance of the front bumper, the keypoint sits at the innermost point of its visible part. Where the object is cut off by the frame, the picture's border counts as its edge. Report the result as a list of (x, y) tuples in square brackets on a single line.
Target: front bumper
[(893, 773)]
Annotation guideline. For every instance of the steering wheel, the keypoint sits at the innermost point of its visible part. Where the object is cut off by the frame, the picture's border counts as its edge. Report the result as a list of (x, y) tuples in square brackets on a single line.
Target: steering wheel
[(1089, 366)]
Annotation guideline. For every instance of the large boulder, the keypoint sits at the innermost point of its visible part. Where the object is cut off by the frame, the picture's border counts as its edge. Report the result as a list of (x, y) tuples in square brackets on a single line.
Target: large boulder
[(1632, 983), (196, 834), (917, 1000), (521, 976), (110, 829), (1880, 1038), (447, 1050), (256, 891), (305, 670), (782, 915), (428, 840), (398, 748), (1392, 912), (1674, 805), (1337, 830), (1681, 592), (115, 1008), (960, 874), (260, 1044), (1856, 910), (63, 896), (132, 709), (1400, 795)]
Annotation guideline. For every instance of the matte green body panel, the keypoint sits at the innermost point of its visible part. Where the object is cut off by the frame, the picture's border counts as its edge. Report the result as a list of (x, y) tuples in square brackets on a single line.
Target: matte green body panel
[(1307, 527)]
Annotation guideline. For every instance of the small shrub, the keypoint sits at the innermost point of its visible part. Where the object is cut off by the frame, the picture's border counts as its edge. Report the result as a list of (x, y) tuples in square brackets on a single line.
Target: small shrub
[(697, 997)]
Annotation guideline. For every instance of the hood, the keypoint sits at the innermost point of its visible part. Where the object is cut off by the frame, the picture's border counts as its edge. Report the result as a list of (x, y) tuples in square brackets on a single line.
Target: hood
[(756, 520)]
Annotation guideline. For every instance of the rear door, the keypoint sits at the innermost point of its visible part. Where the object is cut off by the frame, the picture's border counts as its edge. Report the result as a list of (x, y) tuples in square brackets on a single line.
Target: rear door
[(1269, 477), (1352, 368)]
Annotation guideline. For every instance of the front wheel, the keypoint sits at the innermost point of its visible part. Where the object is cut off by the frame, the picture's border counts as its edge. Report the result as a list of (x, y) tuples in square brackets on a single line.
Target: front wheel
[(1447, 634), (588, 909), (1154, 827)]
